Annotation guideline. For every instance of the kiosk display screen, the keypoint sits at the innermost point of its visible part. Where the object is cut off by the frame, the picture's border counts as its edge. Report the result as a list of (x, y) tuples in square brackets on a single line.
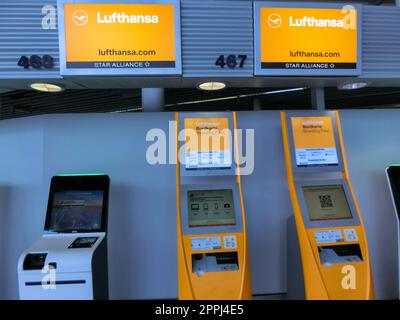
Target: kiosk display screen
[(76, 210), (326, 202), (211, 208)]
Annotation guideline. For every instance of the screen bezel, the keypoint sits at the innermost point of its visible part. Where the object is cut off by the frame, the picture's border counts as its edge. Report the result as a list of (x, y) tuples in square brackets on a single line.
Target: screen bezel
[(393, 172), (186, 230), (217, 224), (355, 221), (328, 219), (79, 183)]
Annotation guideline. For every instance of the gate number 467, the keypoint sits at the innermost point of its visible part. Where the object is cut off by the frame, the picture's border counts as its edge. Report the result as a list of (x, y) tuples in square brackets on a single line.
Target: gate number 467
[(232, 61)]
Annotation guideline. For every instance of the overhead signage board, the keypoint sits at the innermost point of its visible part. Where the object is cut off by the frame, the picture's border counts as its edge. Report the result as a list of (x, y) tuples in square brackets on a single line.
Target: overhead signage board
[(119, 38), (304, 39)]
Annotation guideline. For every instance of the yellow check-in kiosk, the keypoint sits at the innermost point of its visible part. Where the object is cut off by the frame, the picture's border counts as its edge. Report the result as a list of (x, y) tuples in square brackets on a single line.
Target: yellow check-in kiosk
[(328, 254), (213, 259)]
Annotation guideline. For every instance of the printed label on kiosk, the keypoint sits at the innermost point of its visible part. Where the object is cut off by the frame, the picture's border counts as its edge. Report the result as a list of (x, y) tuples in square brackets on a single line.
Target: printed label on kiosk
[(71, 255)]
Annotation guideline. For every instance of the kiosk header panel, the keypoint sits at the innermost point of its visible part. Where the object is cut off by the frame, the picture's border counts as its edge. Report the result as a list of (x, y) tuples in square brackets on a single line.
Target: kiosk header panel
[(77, 204), (206, 144), (314, 142)]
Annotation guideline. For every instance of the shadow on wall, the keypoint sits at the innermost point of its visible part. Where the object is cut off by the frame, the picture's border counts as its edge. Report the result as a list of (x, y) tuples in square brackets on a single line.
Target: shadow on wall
[(120, 263), (4, 209), (142, 248)]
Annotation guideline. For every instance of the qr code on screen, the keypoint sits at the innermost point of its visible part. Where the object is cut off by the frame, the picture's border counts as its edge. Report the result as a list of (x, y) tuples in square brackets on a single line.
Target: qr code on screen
[(326, 201)]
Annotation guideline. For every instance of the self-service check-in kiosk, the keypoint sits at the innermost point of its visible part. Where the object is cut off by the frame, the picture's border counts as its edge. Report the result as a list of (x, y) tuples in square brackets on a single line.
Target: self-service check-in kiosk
[(69, 261), (212, 247), (328, 254), (393, 177)]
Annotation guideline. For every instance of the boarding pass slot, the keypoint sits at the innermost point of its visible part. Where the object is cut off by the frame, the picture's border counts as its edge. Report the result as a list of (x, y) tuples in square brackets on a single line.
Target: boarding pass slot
[(340, 254), (214, 262)]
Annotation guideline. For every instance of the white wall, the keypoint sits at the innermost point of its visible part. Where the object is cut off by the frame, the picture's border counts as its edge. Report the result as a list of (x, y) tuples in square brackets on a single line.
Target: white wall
[(142, 236)]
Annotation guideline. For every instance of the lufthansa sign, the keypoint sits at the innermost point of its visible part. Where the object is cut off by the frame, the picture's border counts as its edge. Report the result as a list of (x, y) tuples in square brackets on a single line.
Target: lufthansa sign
[(130, 38), (307, 39)]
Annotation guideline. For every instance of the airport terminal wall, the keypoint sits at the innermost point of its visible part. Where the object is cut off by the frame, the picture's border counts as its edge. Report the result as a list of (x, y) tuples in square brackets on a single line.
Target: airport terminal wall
[(142, 217)]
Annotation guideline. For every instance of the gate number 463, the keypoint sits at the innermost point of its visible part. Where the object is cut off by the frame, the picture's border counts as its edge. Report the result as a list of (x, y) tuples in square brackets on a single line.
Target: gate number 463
[(232, 61)]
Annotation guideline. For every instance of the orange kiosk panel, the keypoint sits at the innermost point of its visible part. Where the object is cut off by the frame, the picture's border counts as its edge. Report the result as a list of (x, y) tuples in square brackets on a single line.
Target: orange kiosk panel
[(328, 254), (213, 259)]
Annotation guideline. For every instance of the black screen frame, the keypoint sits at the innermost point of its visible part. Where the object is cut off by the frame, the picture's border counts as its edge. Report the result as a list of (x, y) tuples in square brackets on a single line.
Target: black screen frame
[(79, 183), (393, 173)]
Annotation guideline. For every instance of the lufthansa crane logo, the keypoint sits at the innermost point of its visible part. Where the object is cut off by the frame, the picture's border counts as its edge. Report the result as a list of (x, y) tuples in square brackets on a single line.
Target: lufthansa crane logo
[(274, 20), (80, 17)]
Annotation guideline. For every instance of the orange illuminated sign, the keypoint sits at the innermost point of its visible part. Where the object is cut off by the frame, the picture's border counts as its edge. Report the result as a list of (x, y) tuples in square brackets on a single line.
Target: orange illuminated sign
[(308, 40), (121, 37)]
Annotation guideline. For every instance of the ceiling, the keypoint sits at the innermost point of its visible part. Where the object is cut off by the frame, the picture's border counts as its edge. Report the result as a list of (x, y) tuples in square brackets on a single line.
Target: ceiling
[(22, 103)]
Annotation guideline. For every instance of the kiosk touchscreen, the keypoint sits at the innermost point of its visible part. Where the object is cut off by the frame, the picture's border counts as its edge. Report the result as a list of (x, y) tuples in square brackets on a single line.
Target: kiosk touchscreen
[(69, 261), (393, 177), (328, 254), (212, 248)]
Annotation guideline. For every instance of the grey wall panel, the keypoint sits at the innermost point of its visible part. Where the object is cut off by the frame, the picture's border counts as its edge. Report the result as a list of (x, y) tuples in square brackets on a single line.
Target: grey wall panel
[(214, 28), (371, 139), (22, 200), (381, 42), (142, 246), (142, 233), (267, 202), (21, 33)]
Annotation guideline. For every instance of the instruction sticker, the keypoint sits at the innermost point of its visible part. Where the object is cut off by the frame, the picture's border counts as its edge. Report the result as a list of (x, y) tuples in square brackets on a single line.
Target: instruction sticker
[(314, 156), (207, 243), (328, 236), (230, 242), (208, 159)]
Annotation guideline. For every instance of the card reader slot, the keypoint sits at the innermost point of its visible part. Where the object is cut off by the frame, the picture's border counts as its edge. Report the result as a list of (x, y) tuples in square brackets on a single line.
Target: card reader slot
[(225, 257), (60, 282), (340, 254), (214, 262)]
